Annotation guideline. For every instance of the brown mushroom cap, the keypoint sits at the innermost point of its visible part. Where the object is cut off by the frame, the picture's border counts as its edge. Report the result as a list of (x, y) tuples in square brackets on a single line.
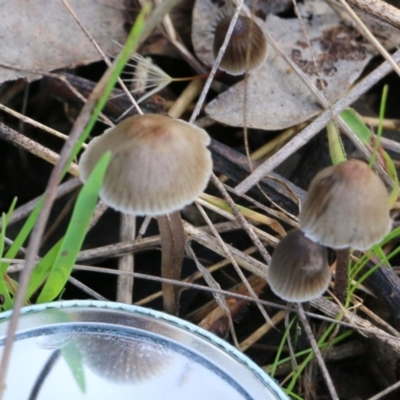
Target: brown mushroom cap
[(247, 47), (347, 206), (159, 164), (299, 269)]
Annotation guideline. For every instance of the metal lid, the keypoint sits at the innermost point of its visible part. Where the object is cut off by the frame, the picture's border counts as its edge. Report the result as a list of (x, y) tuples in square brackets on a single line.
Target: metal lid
[(103, 350)]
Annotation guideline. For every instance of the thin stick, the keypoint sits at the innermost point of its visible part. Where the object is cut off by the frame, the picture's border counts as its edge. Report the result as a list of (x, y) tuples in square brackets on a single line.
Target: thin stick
[(317, 352), (388, 390), (33, 147)]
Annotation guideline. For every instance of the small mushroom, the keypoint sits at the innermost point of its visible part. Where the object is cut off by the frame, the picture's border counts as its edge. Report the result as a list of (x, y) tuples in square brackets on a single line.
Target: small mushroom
[(347, 206), (247, 47), (299, 269), (158, 166)]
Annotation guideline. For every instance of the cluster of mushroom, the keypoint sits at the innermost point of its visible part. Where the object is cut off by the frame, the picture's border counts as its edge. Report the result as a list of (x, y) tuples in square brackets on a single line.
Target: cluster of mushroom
[(347, 206)]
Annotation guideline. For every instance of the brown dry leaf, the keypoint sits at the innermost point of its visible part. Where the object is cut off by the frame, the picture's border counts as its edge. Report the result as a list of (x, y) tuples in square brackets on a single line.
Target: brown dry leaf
[(43, 35), (276, 97)]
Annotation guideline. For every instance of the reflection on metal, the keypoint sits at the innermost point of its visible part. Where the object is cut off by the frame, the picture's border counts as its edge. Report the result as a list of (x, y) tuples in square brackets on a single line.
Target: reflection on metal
[(110, 350)]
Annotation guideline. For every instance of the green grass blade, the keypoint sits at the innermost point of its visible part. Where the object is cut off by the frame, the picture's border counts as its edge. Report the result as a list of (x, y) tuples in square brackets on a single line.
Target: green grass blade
[(42, 269), (382, 109), (4, 288), (336, 150), (355, 123), (21, 237), (76, 231)]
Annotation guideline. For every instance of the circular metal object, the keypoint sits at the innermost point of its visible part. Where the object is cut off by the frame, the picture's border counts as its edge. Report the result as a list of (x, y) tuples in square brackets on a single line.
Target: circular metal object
[(103, 350)]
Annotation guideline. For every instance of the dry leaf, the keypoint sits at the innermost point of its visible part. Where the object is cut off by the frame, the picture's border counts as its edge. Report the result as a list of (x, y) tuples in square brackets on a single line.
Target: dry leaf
[(276, 97), (43, 35)]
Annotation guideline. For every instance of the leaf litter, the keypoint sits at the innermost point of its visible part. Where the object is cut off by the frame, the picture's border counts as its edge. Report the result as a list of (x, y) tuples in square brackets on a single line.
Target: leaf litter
[(276, 97), (42, 35)]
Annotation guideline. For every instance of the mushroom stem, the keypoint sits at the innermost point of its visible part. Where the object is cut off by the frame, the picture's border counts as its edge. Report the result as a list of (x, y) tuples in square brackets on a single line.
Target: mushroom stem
[(126, 262), (173, 247), (342, 274)]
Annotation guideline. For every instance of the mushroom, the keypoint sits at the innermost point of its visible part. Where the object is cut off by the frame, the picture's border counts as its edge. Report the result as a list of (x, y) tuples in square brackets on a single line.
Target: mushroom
[(347, 206), (299, 269), (158, 166), (247, 47)]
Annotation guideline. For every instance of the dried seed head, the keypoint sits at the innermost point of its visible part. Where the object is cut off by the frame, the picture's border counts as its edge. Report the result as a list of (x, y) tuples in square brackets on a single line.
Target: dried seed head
[(159, 164), (247, 47), (299, 269), (347, 206)]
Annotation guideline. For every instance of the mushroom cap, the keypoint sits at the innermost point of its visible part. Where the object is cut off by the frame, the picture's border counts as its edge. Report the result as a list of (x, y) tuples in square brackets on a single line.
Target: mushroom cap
[(247, 47), (158, 164), (123, 360), (299, 269), (347, 206)]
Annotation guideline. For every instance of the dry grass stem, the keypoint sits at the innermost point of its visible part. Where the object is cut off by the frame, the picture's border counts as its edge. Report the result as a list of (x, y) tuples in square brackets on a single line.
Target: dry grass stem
[(261, 331), (86, 289), (317, 352), (33, 147), (229, 255), (185, 99)]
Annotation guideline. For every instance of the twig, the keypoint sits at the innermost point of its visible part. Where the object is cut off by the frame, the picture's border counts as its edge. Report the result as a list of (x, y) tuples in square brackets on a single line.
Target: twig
[(33, 147), (317, 352), (388, 390)]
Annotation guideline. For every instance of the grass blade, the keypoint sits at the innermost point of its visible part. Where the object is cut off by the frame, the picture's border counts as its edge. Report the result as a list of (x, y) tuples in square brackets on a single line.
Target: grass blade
[(76, 231)]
